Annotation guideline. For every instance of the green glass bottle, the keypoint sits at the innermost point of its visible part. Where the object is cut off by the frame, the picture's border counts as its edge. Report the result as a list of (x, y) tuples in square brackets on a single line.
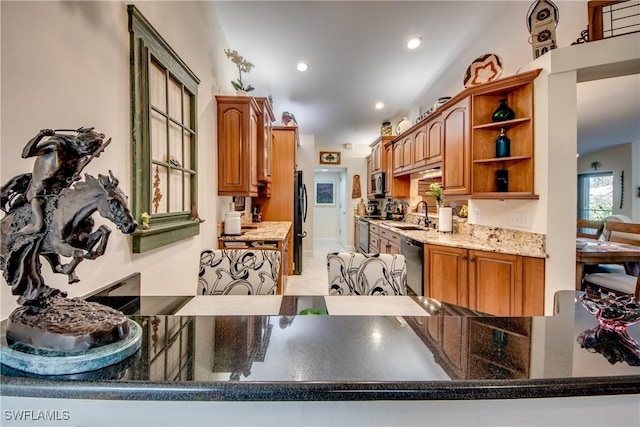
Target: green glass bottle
[(503, 112)]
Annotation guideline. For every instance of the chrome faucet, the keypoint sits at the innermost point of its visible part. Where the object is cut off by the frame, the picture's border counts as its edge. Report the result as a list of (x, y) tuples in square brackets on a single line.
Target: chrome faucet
[(426, 212)]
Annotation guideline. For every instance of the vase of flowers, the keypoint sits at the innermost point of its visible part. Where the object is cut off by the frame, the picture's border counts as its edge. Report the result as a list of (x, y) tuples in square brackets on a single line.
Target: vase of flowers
[(436, 191), (243, 66)]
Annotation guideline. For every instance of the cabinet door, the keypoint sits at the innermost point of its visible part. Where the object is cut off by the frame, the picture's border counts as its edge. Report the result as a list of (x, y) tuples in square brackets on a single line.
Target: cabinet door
[(457, 148), (434, 141), (407, 153), (237, 147), (397, 157), (495, 283), (376, 155), (369, 172), (445, 274), (420, 147), (265, 141), (454, 345), (388, 177)]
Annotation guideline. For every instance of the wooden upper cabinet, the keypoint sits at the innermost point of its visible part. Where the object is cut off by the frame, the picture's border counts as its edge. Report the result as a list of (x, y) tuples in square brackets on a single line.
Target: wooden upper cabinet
[(369, 172), (394, 187), (420, 149), (457, 148), (265, 141), (239, 119), (435, 138), (378, 156)]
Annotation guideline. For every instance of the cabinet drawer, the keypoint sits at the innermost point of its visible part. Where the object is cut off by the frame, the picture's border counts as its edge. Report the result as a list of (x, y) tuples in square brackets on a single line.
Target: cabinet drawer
[(393, 237), (374, 229), (374, 244)]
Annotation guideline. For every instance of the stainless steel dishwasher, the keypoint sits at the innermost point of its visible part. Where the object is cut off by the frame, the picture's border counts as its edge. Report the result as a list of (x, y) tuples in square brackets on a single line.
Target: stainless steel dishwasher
[(413, 251)]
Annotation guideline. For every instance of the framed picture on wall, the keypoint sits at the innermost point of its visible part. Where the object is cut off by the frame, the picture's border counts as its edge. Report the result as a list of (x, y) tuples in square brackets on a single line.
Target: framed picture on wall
[(325, 194), (329, 157)]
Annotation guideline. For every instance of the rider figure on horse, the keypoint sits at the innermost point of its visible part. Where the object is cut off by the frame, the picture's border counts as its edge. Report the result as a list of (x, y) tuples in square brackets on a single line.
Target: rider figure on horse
[(60, 159)]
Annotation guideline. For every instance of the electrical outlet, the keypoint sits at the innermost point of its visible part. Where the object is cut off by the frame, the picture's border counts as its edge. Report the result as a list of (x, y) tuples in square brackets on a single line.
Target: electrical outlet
[(477, 216), (520, 219)]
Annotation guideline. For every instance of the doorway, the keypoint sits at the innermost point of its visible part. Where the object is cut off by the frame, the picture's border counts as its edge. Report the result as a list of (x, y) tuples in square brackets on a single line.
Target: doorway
[(329, 205)]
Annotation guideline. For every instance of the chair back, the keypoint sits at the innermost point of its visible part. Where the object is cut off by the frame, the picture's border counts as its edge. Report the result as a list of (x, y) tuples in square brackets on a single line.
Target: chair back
[(238, 272), (622, 232), (589, 228), (353, 273)]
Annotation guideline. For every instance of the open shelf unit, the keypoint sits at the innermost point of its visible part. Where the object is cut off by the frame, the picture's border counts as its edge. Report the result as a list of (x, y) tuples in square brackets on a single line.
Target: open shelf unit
[(518, 91)]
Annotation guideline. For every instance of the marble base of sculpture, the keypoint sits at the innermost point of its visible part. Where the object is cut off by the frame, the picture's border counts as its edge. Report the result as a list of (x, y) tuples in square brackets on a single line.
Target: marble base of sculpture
[(68, 336)]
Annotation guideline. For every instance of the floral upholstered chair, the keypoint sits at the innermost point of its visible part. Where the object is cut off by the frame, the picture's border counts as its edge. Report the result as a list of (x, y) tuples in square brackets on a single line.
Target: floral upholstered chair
[(366, 274), (238, 272)]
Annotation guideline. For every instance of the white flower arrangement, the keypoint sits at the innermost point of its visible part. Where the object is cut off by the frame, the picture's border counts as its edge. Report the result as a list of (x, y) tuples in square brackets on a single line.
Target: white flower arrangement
[(243, 65)]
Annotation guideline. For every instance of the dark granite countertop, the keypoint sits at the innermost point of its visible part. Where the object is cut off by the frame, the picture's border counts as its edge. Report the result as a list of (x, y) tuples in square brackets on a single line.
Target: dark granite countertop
[(453, 354)]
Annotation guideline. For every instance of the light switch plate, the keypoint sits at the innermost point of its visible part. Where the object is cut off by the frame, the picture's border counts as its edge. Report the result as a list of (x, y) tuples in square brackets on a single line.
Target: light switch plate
[(520, 219), (477, 216)]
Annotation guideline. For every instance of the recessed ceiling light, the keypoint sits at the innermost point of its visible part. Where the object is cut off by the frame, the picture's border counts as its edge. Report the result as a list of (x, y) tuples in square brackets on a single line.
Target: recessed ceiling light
[(414, 42), (379, 105), (302, 66)]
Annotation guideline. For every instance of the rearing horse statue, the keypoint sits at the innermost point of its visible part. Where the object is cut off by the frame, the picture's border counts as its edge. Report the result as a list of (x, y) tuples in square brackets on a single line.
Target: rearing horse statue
[(68, 232)]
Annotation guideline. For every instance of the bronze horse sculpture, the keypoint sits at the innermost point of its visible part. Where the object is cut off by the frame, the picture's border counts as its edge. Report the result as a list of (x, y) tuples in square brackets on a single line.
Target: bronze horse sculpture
[(68, 232)]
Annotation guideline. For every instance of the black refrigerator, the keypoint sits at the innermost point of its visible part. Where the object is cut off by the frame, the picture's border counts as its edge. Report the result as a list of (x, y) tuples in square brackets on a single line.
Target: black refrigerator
[(299, 217)]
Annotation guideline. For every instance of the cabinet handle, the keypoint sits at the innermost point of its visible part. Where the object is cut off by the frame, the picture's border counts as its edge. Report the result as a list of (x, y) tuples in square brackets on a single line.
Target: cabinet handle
[(464, 257), (472, 259)]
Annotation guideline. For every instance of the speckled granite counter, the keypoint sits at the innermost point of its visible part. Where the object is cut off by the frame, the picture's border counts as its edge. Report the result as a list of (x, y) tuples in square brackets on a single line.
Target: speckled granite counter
[(358, 358), (261, 231), (471, 236)]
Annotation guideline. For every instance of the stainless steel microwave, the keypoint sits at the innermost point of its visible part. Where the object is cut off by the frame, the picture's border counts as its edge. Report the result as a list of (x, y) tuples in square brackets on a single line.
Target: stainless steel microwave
[(377, 184)]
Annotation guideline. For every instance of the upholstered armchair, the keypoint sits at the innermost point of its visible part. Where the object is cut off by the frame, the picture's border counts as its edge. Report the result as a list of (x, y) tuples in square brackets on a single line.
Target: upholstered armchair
[(366, 274), (238, 272)]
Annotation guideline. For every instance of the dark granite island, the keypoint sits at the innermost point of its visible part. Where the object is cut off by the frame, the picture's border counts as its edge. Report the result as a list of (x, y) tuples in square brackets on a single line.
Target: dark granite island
[(347, 370)]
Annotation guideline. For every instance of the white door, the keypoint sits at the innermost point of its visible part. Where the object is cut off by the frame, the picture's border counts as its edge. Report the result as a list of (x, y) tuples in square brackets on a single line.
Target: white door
[(327, 206)]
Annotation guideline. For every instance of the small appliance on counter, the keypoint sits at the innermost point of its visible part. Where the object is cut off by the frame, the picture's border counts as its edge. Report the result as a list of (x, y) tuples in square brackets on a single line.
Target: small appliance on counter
[(257, 215), (232, 226), (373, 208)]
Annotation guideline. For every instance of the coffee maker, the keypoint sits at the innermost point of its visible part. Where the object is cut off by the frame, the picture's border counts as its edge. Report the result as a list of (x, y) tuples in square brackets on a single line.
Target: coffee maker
[(373, 208)]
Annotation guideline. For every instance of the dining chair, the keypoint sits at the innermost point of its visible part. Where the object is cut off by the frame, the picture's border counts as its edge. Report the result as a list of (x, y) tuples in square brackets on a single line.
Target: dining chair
[(588, 228), (352, 273), (238, 272), (615, 283)]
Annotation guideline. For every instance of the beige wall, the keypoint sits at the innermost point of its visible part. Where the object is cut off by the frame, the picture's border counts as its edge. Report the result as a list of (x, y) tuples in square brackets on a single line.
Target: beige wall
[(616, 160), (66, 65)]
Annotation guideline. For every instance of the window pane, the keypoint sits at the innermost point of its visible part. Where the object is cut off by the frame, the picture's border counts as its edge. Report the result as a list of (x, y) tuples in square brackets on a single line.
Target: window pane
[(186, 113), (596, 196), (158, 136), (175, 204), (187, 150), (159, 189), (157, 86), (175, 144), (175, 100)]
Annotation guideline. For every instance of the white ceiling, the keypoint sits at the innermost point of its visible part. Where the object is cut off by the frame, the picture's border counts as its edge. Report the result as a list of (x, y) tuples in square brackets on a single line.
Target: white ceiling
[(357, 56)]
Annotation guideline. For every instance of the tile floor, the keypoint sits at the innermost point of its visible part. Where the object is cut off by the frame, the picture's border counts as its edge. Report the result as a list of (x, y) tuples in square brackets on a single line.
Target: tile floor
[(313, 280)]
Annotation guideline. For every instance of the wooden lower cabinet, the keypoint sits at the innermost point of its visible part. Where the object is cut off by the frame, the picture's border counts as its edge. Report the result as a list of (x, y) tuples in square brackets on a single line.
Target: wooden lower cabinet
[(477, 347), (389, 242), (489, 282)]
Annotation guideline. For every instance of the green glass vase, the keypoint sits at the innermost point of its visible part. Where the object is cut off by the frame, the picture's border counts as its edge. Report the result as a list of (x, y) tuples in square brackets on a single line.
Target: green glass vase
[(503, 112)]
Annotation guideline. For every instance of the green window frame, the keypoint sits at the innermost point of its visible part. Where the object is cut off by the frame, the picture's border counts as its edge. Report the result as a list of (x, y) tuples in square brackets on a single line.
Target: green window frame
[(164, 138)]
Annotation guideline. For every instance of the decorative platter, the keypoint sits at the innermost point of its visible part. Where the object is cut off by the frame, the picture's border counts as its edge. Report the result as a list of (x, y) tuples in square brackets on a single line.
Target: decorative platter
[(484, 69)]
